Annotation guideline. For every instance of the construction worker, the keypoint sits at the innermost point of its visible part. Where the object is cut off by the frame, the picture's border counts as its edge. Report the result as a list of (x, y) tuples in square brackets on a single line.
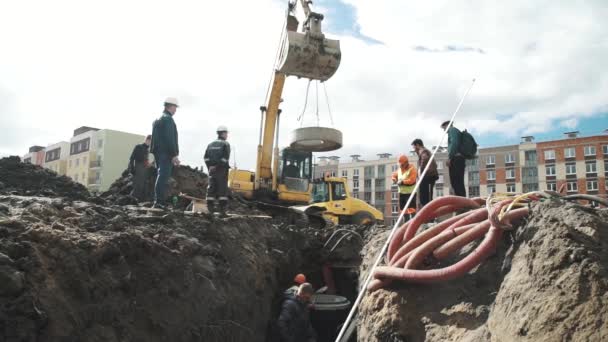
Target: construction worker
[(427, 184), (456, 161), (165, 148), (217, 156), (298, 280), (294, 320), (405, 178), (291, 170), (138, 167)]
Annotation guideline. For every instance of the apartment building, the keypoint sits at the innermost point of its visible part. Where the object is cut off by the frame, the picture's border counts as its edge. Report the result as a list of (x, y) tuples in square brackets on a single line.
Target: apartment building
[(499, 171), (370, 180), (576, 164), (56, 157), (93, 157), (99, 156), (34, 156)]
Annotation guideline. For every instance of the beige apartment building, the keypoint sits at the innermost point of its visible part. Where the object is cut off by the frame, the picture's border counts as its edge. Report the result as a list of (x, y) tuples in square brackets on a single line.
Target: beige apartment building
[(93, 157)]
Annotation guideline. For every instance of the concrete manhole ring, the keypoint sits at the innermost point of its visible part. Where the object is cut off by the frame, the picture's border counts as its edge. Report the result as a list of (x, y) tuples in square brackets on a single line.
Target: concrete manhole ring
[(316, 139)]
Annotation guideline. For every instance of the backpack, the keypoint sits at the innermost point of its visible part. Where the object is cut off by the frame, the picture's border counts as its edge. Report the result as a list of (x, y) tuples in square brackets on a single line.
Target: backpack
[(468, 145)]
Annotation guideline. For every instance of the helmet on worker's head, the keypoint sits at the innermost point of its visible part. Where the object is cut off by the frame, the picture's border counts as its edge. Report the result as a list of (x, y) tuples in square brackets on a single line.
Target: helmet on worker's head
[(221, 129), (403, 159), (171, 101), (299, 279)]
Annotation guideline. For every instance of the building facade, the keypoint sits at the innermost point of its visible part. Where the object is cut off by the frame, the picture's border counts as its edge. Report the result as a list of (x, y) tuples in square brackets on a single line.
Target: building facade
[(35, 155), (93, 157), (573, 165)]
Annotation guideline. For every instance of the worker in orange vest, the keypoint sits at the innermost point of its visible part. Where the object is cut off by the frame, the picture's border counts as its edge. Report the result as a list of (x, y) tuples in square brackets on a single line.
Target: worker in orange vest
[(405, 178)]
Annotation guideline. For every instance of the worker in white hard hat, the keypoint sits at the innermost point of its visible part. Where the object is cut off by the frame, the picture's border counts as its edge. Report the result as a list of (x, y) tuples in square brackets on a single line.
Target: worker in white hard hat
[(165, 148), (217, 156)]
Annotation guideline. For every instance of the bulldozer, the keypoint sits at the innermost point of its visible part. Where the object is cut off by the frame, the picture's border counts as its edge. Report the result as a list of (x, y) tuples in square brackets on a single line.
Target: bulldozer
[(283, 180)]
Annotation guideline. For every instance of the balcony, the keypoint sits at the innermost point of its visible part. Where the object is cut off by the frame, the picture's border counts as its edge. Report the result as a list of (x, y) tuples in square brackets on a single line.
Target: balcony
[(530, 179), (530, 163), (95, 164)]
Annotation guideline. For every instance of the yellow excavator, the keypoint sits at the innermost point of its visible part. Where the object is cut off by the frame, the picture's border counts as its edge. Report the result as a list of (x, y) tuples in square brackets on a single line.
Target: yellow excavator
[(283, 181)]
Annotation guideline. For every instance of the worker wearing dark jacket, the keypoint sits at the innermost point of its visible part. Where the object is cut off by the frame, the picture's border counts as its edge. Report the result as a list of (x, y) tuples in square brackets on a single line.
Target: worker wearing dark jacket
[(217, 156), (138, 167), (294, 320), (456, 162), (427, 184), (165, 148)]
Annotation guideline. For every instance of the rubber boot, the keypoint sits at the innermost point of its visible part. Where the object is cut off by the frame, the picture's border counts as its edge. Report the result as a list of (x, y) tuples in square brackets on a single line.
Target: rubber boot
[(223, 205)]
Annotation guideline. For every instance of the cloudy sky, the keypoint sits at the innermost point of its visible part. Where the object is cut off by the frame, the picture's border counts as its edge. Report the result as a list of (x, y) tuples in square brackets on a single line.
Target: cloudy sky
[(540, 68)]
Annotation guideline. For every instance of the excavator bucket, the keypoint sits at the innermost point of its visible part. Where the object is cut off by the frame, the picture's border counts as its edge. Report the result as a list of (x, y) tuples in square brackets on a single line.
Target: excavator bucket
[(308, 56)]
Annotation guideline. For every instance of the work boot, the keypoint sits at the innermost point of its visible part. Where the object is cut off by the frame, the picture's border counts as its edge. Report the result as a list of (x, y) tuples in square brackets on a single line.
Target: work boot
[(211, 206), (223, 205), (157, 205)]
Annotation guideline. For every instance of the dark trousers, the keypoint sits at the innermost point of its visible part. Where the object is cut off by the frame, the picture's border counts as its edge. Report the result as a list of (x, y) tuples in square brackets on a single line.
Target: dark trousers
[(457, 165), (165, 169), (139, 181), (218, 186), (427, 185), (403, 200)]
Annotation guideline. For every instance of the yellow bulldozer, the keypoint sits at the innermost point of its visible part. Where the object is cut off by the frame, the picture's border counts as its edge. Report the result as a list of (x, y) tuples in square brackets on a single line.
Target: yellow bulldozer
[(283, 181)]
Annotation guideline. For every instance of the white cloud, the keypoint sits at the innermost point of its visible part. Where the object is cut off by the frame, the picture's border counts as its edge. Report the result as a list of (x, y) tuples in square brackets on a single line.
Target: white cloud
[(110, 64)]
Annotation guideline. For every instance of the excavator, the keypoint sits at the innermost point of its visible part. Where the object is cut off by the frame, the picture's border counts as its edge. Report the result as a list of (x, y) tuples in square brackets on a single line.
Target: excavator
[(283, 180)]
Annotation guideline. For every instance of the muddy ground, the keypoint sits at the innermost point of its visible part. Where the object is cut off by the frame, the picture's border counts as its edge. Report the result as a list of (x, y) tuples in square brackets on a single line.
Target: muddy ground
[(75, 267), (547, 282)]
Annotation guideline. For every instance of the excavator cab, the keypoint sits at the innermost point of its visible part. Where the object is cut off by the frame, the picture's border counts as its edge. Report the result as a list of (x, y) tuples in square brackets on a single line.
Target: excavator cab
[(294, 174)]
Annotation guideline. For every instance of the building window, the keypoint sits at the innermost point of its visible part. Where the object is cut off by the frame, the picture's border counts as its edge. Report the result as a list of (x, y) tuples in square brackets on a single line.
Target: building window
[(589, 150), (550, 170), (591, 167), (355, 184), (381, 171), (440, 179), (552, 186), (509, 158), (439, 165), (77, 161), (474, 176), (605, 149), (380, 184), (99, 143), (510, 173), (569, 152), (439, 191), (606, 184), (334, 173), (367, 183), (491, 189), (473, 162), (344, 173), (550, 155), (572, 186), (379, 196), (394, 195), (490, 160), (473, 191), (394, 168), (592, 185), (356, 172), (355, 195), (80, 146), (27, 160), (571, 169), (369, 171), (76, 177), (367, 197), (84, 161), (491, 175), (83, 177), (510, 187), (395, 208)]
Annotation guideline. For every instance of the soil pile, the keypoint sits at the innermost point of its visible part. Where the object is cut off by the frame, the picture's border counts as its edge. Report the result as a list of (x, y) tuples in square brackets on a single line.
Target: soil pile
[(547, 282), (185, 179), (32, 180), (78, 271)]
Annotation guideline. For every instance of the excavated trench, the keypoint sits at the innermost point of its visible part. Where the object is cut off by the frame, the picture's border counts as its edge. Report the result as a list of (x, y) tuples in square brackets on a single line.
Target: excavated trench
[(74, 267)]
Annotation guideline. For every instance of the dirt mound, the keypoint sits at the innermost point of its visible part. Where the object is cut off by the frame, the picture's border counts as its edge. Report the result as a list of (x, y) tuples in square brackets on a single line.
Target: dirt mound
[(32, 180), (547, 282), (185, 179), (78, 271)]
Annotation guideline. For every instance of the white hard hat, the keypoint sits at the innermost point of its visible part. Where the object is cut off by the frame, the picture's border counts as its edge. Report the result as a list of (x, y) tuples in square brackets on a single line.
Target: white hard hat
[(172, 100), (222, 129)]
